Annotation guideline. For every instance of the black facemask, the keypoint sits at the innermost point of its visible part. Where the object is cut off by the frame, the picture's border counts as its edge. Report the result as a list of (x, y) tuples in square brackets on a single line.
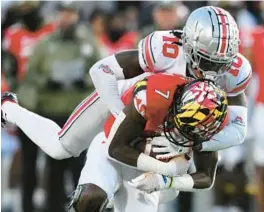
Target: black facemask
[(32, 19)]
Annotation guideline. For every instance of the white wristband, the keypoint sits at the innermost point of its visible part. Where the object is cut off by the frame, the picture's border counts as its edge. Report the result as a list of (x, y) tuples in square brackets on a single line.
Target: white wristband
[(182, 183)]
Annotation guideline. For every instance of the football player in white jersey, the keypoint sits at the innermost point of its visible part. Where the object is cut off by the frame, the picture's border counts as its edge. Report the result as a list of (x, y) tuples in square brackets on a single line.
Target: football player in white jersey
[(207, 47)]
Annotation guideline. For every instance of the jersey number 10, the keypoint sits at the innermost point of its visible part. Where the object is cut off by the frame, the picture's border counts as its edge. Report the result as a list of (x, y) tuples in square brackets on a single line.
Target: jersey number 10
[(170, 50)]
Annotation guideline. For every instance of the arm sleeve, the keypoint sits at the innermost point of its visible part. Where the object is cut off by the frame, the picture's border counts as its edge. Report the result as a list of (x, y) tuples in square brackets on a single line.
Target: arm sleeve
[(233, 134), (105, 74)]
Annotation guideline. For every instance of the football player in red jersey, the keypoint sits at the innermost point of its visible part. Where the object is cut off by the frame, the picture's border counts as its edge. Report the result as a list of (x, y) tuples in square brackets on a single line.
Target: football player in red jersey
[(193, 112), (187, 112)]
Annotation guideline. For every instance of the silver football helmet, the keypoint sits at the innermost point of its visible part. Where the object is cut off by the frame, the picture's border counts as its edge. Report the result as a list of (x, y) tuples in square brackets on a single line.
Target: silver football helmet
[(210, 42)]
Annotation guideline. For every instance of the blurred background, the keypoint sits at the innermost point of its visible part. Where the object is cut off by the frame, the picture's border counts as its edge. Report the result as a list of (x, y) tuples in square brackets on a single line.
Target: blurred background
[(47, 48)]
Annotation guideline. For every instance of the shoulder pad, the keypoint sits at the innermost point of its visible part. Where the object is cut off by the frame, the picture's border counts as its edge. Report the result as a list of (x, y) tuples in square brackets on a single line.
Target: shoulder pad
[(140, 97), (156, 51), (239, 76)]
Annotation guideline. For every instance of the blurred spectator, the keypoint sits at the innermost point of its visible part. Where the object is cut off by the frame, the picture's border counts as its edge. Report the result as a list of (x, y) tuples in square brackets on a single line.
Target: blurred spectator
[(256, 51), (116, 37), (56, 81), (131, 18), (87, 7), (167, 15), (230, 190), (19, 41), (252, 25), (21, 38), (247, 19), (97, 24), (9, 68)]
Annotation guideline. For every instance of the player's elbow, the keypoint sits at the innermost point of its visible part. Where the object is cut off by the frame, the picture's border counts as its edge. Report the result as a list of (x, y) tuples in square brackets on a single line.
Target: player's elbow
[(59, 154)]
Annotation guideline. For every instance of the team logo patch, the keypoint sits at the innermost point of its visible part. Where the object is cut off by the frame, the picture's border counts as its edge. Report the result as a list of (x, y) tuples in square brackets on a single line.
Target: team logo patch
[(239, 121), (106, 69)]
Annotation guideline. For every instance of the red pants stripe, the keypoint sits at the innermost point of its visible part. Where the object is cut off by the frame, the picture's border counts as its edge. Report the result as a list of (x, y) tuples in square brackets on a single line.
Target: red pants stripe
[(80, 109)]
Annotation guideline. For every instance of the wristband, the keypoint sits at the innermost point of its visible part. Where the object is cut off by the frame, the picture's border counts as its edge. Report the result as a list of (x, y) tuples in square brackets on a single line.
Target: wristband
[(182, 183)]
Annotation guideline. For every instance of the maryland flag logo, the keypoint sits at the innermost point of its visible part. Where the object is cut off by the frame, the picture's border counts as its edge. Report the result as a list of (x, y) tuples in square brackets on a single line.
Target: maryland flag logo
[(203, 109)]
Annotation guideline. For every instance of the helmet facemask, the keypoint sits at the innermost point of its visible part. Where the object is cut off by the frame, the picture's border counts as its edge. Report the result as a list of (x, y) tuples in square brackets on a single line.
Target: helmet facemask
[(202, 65)]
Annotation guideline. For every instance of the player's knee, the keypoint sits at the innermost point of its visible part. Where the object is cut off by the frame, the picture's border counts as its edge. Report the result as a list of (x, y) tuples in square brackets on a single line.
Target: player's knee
[(89, 198)]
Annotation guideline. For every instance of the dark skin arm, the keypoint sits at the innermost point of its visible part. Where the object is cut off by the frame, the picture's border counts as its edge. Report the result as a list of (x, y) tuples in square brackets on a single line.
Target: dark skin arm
[(130, 129), (239, 100), (133, 126), (206, 164), (128, 60)]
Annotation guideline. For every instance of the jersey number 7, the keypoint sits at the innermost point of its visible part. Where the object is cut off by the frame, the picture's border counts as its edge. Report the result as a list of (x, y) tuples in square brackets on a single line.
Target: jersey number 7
[(165, 95), (170, 50)]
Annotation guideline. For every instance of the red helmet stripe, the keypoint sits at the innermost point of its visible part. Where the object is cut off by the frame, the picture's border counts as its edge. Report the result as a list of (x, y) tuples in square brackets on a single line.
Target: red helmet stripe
[(79, 110), (223, 24)]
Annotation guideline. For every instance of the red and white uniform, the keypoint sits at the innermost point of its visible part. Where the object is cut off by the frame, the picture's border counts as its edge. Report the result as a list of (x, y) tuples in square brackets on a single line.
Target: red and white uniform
[(21, 42), (258, 111), (157, 53), (153, 104), (152, 100)]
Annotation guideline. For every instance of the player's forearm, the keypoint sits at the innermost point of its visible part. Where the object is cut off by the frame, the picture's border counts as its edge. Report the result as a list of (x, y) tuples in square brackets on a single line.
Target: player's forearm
[(132, 158), (233, 134), (120, 150), (105, 74)]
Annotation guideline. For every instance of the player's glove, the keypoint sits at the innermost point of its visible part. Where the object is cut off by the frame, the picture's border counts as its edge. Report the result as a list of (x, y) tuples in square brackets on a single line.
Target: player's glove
[(150, 182), (166, 150)]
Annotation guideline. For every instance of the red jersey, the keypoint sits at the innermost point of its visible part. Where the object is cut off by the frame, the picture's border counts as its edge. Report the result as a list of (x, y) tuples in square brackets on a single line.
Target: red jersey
[(258, 60), (20, 42), (152, 98)]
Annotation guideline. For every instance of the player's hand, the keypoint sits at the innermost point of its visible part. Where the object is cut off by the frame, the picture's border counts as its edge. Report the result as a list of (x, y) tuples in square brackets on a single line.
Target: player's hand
[(150, 182), (166, 150)]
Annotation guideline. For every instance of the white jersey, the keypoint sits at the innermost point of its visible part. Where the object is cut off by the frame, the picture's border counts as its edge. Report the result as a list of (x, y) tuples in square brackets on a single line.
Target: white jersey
[(158, 53)]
